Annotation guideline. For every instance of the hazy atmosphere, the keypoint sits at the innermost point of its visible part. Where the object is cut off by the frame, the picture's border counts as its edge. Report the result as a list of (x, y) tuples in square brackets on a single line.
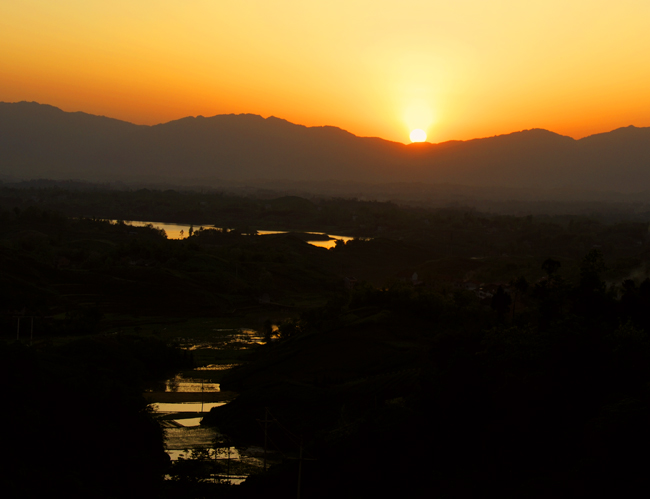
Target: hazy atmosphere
[(325, 249), (458, 70)]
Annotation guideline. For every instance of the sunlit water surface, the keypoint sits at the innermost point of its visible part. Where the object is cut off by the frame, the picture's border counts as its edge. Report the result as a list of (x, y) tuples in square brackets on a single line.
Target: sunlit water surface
[(181, 231), (182, 420)]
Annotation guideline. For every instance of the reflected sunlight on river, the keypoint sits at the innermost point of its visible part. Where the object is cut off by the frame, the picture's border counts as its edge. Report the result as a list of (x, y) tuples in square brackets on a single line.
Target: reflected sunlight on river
[(180, 402), (182, 231)]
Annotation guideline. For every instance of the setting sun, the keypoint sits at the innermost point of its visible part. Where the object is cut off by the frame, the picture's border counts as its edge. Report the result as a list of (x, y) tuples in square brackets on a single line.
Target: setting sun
[(418, 135), (457, 70)]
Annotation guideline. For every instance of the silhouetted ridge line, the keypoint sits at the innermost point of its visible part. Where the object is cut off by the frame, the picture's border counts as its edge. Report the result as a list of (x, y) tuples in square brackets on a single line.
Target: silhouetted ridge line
[(42, 141)]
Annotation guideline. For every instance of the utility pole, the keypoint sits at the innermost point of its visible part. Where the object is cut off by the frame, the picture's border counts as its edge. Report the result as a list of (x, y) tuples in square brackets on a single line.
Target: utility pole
[(215, 467), (266, 422), (299, 468), (301, 458), (228, 472), (31, 333), (266, 433)]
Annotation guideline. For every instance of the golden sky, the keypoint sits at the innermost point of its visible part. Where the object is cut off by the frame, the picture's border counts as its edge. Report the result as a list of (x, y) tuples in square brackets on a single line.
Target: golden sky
[(459, 70)]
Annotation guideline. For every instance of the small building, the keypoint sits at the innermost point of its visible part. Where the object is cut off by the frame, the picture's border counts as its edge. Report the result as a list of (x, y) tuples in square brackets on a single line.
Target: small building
[(349, 282)]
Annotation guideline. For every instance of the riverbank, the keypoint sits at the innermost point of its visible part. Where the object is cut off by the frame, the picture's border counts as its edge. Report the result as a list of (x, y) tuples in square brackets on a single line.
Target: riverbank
[(181, 402), (183, 231)]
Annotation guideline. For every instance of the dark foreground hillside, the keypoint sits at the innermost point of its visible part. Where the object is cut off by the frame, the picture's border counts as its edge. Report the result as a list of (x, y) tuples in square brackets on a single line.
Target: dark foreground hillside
[(440, 353), (409, 392), (76, 422)]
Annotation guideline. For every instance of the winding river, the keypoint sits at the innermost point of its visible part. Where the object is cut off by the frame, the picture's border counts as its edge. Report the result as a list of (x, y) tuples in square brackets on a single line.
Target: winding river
[(182, 401), (181, 231)]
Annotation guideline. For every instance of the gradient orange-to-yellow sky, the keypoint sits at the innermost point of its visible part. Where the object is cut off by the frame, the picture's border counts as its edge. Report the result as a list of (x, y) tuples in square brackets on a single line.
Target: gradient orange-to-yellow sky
[(458, 70)]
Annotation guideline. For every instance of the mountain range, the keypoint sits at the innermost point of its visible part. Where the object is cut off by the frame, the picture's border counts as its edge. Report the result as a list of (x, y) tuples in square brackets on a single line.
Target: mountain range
[(42, 141)]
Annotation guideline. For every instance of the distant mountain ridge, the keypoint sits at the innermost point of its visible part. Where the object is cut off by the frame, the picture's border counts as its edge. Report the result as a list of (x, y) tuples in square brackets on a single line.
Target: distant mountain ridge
[(42, 141)]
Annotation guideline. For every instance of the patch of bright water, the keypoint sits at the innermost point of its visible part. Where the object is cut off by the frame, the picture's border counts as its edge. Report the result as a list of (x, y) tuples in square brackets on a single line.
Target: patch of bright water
[(182, 434), (191, 386), (173, 231), (180, 439), (328, 243), (189, 422), (221, 454), (179, 384), (181, 231), (234, 479), (180, 442), (270, 232), (216, 367), (185, 406), (242, 336)]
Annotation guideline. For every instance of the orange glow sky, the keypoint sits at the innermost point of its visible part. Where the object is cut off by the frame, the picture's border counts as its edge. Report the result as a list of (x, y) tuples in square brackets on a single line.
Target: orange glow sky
[(458, 70)]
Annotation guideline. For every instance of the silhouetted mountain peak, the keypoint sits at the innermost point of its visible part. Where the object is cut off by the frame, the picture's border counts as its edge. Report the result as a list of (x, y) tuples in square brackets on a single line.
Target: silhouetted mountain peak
[(44, 112), (532, 134), (279, 121), (39, 140), (619, 136), (334, 130)]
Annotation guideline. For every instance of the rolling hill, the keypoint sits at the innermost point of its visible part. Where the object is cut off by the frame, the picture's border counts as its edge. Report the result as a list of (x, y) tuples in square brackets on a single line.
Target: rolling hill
[(41, 141)]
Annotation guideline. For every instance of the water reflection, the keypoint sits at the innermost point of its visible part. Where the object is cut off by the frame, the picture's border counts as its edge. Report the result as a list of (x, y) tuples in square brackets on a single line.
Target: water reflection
[(216, 367), (185, 406), (232, 338), (189, 422), (184, 401), (180, 384), (328, 243), (181, 231), (179, 440)]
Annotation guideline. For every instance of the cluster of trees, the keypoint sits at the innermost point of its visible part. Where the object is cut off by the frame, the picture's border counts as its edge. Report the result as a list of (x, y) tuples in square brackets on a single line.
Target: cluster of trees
[(79, 270), (41, 246), (76, 419), (207, 208), (459, 227), (542, 388), (551, 401)]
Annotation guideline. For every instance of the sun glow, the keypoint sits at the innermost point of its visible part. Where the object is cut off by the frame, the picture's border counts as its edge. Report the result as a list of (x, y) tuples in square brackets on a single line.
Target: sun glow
[(457, 70), (418, 118), (418, 135)]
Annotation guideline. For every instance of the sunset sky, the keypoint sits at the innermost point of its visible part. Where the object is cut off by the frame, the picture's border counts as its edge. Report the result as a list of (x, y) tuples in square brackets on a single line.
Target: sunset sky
[(458, 70)]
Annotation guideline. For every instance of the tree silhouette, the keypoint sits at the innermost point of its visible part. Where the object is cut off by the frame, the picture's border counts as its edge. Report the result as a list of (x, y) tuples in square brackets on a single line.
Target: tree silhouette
[(501, 303), (521, 286), (592, 265), (550, 266)]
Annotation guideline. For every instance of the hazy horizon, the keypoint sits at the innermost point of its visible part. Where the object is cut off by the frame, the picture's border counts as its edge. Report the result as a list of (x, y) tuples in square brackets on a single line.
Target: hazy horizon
[(328, 125), (41, 141), (457, 71), (347, 248)]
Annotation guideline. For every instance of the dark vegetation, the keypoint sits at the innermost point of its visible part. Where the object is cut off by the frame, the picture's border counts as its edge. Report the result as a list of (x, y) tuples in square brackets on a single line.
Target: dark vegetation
[(76, 421), (408, 391), (452, 353)]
